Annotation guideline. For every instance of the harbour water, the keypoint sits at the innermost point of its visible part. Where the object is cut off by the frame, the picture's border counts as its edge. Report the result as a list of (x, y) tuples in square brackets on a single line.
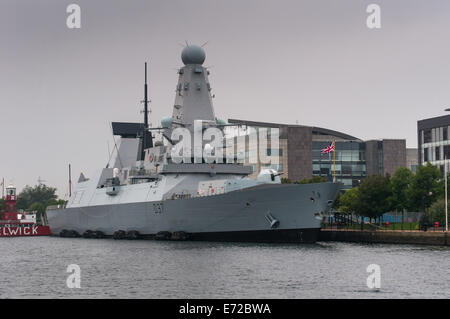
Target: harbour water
[(37, 268)]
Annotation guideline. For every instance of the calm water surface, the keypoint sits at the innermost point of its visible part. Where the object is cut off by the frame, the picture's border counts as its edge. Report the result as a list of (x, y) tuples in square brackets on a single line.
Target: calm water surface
[(36, 268)]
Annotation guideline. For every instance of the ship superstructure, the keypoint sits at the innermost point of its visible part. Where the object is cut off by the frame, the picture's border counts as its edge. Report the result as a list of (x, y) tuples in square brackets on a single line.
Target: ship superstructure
[(156, 189)]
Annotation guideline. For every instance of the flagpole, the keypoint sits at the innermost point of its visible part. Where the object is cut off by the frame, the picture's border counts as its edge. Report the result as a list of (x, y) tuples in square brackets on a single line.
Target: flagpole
[(334, 162), (329, 158)]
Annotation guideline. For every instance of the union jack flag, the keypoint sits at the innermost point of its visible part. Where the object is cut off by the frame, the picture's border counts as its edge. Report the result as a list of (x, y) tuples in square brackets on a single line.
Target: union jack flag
[(328, 149)]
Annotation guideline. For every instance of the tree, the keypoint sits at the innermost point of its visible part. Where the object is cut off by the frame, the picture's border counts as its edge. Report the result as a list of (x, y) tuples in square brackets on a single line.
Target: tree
[(374, 196), (39, 208), (400, 183), (425, 187), (436, 213), (37, 194), (348, 202)]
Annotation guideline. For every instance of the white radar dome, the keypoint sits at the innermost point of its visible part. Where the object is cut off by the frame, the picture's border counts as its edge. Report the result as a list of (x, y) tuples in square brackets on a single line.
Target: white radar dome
[(193, 54)]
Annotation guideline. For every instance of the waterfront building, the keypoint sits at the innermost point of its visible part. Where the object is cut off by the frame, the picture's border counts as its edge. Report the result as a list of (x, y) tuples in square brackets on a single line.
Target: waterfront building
[(301, 157), (433, 140)]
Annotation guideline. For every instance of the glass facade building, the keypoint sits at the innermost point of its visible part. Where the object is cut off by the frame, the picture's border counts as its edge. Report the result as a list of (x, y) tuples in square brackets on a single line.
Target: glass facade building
[(349, 165), (434, 140)]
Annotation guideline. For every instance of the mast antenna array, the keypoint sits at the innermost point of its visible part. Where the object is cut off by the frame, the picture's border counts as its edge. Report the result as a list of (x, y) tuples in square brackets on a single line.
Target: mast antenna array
[(146, 100), (146, 138)]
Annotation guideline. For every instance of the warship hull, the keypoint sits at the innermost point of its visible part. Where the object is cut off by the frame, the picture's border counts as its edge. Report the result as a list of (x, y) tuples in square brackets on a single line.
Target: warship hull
[(264, 213)]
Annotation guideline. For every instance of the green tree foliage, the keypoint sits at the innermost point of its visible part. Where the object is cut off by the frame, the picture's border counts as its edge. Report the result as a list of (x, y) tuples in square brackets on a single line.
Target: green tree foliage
[(348, 202), (400, 182), (436, 213), (38, 194), (426, 186), (39, 208), (285, 180), (405, 190), (374, 196)]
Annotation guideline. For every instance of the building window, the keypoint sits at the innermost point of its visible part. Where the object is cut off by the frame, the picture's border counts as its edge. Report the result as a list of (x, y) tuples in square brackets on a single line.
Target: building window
[(347, 182), (436, 152), (425, 154), (447, 151), (275, 152), (427, 136), (362, 156), (444, 133), (380, 161), (346, 169)]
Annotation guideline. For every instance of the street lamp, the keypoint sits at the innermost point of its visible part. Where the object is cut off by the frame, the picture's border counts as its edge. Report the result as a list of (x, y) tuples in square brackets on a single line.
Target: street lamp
[(446, 196)]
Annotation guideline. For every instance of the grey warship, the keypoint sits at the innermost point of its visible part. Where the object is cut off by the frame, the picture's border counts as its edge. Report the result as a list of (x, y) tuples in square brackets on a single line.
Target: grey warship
[(147, 194)]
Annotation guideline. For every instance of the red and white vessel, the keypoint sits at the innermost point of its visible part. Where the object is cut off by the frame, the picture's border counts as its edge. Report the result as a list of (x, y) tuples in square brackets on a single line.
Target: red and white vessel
[(16, 224)]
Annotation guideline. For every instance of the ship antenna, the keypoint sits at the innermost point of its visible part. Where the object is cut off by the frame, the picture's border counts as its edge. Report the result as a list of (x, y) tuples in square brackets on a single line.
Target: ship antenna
[(145, 100), (70, 181), (146, 140)]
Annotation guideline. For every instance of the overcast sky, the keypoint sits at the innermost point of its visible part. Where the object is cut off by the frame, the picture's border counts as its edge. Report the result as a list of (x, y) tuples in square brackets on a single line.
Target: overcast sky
[(314, 62)]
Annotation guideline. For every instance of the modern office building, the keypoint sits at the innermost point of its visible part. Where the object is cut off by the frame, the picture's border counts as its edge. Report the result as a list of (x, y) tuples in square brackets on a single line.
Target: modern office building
[(433, 140), (301, 157)]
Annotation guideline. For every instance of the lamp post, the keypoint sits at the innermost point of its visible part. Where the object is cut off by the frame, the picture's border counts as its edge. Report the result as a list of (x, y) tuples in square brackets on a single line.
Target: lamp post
[(446, 200)]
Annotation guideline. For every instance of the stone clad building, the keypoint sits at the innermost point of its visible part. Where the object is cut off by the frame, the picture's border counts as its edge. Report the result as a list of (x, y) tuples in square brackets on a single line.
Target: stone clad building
[(384, 156)]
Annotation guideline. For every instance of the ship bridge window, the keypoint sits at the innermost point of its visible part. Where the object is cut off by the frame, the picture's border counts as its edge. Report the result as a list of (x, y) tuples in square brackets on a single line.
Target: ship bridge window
[(198, 70)]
